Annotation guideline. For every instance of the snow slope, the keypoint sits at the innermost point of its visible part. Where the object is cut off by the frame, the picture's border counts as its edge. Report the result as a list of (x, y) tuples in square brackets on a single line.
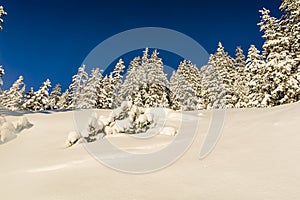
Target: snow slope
[(257, 157)]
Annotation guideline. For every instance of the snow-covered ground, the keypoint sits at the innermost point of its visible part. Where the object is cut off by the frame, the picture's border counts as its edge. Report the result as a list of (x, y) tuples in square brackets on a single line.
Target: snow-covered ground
[(257, 157)]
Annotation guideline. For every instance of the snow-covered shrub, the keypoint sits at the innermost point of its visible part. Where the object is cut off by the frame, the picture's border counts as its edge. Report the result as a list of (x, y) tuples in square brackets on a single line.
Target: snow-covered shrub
[(94, 128), (73, 138), (126, 119), (108, 130)]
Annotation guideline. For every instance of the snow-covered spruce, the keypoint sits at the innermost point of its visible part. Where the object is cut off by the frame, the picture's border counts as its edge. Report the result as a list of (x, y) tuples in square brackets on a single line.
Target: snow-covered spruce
[(2, 12)]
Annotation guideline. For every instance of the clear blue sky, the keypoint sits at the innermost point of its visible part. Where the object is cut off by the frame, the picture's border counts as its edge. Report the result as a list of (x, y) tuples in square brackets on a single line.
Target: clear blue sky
[(50, 38)]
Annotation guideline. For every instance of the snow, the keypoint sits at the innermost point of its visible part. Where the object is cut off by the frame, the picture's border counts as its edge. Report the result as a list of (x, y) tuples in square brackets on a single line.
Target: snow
[(257, 157), (8, 129), (168, 131), (7, 132)]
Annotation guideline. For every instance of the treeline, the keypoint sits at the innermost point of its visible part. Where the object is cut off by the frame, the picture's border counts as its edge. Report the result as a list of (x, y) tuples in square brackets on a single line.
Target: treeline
[(259, 79)]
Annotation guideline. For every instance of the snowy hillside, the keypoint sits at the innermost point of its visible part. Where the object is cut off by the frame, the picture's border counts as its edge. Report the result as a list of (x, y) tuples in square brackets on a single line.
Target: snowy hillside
[(257, 157)]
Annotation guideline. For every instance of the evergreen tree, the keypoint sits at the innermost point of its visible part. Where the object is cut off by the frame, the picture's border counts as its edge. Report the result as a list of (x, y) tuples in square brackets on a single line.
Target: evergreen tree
[(41, 97), (107, 93), (2, 12), (240, 83), (192, 75), (1, 76), (183, 96), (54, 97), (222, 64), (281, 83), (213, 93), (255, 68), (135, 83), (29, 98), (116, 82), (290, 27), (156, 82), (12, 99), (76, 88), (90, 94), (63, 100)]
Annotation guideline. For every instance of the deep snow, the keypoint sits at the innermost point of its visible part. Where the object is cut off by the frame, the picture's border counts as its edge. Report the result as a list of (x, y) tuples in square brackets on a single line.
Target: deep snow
[(257, 157)]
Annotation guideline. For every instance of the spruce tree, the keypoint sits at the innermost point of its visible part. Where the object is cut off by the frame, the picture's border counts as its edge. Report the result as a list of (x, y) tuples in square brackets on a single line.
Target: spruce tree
[(2, 12), (12, 99), (281, 82), (29, 98), (54, 97), (1, 76), (183, 96), (116, 77), (77, 87), (157, 82), (222, 64), (255, 68), (41, 97), (90, 93), (63, 100), (240, 83)]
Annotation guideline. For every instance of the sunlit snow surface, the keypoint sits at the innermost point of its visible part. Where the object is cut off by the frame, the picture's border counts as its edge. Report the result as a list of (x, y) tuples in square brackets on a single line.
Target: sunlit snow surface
[(257, 157)]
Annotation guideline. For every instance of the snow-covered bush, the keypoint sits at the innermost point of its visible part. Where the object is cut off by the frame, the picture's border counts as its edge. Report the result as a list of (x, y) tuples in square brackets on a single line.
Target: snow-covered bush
[(126, 119), (73, 137)]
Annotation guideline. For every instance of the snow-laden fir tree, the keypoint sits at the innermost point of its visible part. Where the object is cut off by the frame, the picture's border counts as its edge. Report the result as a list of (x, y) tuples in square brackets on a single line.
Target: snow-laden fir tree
[(90, 93), (107, 93), (116, 77), (2, 12), (12, 99), (240, 83), (213, 92), (1, 76), (223, 65), (146, 84), (76, 88), (255, 68), (157, 82), (63, 100), (183, 96), (54, 97), (134, 85), (41, 97), (290, 26), (281, 84), (28, 100), (192, 75)]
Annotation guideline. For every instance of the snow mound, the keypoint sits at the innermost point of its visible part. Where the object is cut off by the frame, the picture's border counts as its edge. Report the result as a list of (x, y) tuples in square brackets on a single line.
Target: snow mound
[(22, 124), (170, 131), (8, 130)]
